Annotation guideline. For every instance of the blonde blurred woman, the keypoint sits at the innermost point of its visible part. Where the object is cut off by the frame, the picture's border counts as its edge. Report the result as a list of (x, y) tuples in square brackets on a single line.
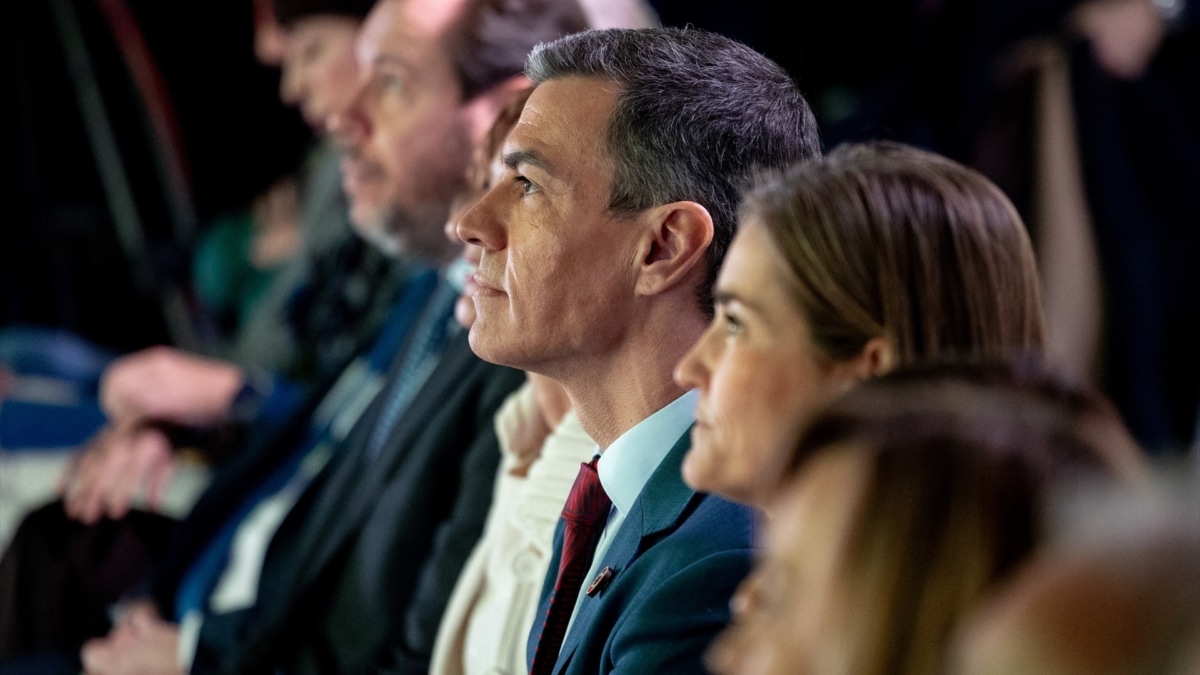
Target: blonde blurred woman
[(912, 499)]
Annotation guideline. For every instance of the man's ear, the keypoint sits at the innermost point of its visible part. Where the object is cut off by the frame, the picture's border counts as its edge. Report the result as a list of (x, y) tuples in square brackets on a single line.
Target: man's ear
[(481, 111), (674, 244)]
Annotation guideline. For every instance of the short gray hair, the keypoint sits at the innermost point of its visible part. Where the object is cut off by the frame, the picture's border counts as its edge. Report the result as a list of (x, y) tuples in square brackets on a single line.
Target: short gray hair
[(696, 115)]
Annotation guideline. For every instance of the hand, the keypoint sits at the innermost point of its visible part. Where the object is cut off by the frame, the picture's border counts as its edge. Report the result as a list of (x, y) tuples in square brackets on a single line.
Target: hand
[(277, 235), (141, 644), (535, 424), (1125, 34), (117, 465), (161, 384)]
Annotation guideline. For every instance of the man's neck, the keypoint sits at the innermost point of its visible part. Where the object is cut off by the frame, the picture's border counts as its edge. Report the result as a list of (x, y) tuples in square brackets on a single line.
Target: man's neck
[(613, 393), (606, 415)]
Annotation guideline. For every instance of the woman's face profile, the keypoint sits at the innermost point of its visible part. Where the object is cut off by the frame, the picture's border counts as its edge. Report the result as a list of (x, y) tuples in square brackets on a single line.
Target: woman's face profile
[(758, 372), (785, 614)]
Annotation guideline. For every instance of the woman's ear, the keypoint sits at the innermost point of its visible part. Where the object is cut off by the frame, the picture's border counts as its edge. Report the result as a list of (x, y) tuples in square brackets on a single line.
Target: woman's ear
[(676, 239), (876, 358)]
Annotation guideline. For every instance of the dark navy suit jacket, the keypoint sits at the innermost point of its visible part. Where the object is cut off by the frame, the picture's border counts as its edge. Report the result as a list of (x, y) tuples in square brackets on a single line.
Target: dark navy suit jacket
[(677, 559), (357, 576)]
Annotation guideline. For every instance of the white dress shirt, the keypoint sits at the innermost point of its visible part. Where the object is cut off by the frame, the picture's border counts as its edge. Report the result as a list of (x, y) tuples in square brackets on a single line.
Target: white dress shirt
[(627, 465)]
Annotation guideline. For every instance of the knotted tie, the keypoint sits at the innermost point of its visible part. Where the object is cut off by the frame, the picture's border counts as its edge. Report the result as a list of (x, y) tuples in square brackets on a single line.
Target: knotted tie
[(585, 514)]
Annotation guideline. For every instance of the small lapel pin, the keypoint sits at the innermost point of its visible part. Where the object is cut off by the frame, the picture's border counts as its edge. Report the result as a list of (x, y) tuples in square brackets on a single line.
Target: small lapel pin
[(601, 582)]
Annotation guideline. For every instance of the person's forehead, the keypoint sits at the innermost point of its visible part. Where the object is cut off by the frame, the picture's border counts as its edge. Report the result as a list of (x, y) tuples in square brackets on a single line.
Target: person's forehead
[(753, 271), (563, 118), (407, 30)]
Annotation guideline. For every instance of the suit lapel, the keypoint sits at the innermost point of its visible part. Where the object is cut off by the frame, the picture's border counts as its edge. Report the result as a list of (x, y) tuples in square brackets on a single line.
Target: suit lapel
[(659, 508), (353, 488)]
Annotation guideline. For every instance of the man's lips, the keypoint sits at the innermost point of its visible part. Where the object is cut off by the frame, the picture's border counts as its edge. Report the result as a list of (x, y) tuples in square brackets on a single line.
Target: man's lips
[(357, 171), (483, 288), (350, 174)]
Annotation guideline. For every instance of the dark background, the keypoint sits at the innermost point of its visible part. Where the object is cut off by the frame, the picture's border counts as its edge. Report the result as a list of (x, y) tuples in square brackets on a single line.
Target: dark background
[(920, 71)]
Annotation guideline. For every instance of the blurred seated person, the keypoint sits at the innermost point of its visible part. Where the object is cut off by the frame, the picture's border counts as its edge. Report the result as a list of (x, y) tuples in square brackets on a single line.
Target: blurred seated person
[(331, 298), (1115, 590), (909, 500), (875, 257), (328, 303), (413, 452), (280, 303), (239, 256)]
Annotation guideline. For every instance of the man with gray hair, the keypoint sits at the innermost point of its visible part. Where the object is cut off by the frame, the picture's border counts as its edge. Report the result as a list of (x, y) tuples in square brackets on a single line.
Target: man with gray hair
[(624, 173)]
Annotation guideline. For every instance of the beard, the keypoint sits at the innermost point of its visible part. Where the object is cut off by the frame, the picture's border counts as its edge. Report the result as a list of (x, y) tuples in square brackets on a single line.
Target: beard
[(413, 233)]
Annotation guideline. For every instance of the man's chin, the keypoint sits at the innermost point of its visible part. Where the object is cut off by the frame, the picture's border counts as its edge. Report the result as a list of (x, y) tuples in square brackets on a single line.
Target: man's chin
[(483, 343), (373, 225)]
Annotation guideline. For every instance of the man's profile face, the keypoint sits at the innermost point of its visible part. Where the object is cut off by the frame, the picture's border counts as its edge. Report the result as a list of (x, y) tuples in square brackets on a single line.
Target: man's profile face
[(405, 139), (556, 274)]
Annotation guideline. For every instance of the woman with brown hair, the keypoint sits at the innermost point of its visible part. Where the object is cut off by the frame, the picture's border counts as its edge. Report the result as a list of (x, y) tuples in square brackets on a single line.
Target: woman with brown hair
[(877, 256)]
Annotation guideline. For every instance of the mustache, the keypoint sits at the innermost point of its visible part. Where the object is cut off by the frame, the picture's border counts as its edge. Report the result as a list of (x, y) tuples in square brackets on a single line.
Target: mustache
[(363, 165)]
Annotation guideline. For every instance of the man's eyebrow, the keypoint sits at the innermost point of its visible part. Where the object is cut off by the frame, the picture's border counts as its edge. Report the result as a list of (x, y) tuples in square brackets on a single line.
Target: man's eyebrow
[(530, 157), (390, 60)]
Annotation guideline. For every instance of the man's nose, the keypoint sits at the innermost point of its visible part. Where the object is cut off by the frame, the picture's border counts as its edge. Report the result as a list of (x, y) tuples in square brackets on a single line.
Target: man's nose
[(479, 226), (349, 125)]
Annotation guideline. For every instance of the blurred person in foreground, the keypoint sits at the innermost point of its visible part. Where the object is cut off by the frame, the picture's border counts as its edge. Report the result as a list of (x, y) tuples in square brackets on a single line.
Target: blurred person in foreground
[(911, 498), (1115, 590)]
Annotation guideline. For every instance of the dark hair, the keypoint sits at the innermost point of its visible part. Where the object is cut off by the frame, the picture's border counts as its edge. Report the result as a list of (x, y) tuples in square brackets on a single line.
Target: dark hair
[(489, 148), (288, 12), (696, 115), (493, 37), (887, 240)]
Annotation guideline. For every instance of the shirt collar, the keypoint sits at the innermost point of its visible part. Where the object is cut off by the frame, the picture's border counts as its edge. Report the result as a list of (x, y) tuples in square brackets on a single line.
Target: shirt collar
[(628, 463)]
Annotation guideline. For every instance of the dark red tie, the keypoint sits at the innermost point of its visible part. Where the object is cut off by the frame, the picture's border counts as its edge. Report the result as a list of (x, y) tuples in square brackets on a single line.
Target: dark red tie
[(585, 513)]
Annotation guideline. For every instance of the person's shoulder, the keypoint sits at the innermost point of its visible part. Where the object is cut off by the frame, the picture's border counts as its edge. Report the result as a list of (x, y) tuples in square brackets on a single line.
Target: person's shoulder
[(710, 528), (717, 524)]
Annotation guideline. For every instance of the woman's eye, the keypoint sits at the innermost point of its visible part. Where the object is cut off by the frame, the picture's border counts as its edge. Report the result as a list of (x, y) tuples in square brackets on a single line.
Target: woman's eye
[(733, 325)]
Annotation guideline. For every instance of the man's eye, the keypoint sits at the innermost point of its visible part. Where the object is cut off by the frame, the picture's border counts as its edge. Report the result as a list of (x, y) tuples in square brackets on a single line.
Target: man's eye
[(310, 52), (527, 186), (391, 84)]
